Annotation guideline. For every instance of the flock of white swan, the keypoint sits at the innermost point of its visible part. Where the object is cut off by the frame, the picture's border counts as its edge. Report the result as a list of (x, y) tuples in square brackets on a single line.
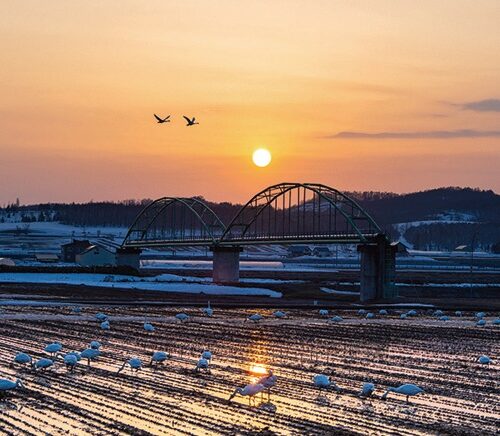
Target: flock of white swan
[(264, 384)]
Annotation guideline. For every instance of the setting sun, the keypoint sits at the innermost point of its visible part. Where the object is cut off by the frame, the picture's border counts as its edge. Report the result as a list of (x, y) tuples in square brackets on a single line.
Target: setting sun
[(261, 157)]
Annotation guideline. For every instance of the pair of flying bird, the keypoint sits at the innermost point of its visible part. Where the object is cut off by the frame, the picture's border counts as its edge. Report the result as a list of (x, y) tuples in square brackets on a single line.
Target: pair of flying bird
[(190, 121)]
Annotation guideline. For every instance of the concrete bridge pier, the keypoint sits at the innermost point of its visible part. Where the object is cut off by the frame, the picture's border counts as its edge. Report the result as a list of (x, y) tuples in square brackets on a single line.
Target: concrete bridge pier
[(226, 264), (128, 257), (378, 270)]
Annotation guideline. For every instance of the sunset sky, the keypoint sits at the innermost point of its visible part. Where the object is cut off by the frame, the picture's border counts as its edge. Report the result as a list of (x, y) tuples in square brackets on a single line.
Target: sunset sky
[(389, 95)]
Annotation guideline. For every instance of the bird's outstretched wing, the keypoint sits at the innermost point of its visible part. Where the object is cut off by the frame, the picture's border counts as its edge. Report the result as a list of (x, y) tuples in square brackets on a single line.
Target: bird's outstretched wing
[(167, 118), (186, 118), (157, 117)]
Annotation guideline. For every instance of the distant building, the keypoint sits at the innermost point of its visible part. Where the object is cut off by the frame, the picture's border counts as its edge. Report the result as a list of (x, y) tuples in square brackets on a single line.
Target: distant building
[(5, 261), (298, 250), (96, 255), (400, 248), (47, 257), (321, 251), (71, 249)]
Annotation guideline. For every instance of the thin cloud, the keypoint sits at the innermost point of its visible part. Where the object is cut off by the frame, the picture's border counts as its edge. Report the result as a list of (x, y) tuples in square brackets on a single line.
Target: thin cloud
[(488, 105), (431, 134)]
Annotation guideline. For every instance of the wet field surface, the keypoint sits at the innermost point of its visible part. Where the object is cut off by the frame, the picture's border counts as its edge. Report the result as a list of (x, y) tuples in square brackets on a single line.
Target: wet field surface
[(461, 395)]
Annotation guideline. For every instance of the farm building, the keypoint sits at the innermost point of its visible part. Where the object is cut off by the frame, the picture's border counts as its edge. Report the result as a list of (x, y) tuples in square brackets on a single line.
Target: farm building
[(46, 257), (96, 255), (71, 249)]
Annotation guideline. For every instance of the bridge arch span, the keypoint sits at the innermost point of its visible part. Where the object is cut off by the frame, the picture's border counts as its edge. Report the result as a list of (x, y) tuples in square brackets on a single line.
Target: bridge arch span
[(300, 212), (178, 220)]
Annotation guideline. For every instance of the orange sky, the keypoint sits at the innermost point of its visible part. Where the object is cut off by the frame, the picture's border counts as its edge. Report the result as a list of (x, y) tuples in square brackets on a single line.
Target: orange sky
[(80, 81)]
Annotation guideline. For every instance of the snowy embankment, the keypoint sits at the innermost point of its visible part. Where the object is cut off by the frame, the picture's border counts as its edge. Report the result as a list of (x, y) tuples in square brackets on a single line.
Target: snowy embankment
[(337, 292), (161, 283)]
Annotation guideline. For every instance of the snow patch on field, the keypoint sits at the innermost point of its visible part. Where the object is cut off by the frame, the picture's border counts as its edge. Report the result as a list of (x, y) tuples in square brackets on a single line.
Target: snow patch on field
[(337, 292), (163, 283)]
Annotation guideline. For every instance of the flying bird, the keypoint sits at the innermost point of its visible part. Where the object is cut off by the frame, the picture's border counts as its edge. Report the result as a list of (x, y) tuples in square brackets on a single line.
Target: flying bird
[(162, 120), (190, 122)]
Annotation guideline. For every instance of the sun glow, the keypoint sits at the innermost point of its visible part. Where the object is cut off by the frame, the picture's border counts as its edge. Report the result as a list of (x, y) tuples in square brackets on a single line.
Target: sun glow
[(261, 157)]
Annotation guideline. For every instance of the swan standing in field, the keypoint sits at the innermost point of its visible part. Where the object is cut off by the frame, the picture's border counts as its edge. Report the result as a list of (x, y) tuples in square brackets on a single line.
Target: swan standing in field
[(480, 315), (43, 364), (8, 385), (496, 321), (105, 325), (23, 359), (95, 345), (182, 317), (444, 318), (361, 312), (323, 312), (90, 354), (208, 311), (249, 391), (413, 312), (481, 323), (407, 389), (70, 360), (438, 313), (485, 360), (383, 312), (202, 364), (101, 316), (53, 348), (403, 315), (206, 355), (458, 313), (134, 363), (268, 381), (336, 318), (323, 381), (367, 390), (279, 314), (149, 327), (370, 315), (256, 317), (158, 358)]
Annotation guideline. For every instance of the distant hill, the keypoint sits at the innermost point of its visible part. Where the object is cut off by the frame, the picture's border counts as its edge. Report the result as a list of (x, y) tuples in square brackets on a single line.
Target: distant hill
[(435, 219), (443, 203)]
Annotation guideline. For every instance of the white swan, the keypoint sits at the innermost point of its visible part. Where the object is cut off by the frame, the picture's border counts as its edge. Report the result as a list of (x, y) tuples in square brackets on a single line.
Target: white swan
[(407, 389), (256, 317), (23, 359), (249, 391), (208, 311), (8, 385), (43, 364), (158, 358), (182, 317), (149, 327), (367, 390), (323, 381), (134, 363), (485, 360), (53, 348), (90, 354), (95, 345), (202, 364), (268, 381)]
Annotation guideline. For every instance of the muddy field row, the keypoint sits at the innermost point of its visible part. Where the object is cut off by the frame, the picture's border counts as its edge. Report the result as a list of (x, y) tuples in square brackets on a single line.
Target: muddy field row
[(460, 395)]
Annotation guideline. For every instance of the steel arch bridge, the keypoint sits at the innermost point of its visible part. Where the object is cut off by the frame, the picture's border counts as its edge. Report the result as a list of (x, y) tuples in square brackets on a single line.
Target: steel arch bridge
[(285, 213)]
